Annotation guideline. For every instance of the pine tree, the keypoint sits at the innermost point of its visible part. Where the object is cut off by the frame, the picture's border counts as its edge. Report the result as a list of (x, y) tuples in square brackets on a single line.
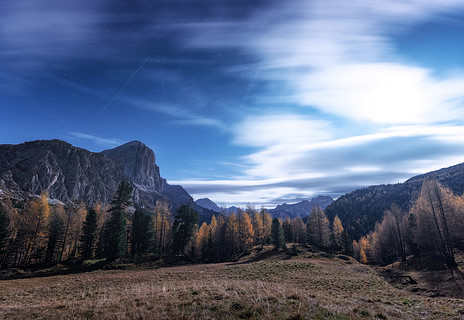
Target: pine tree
[(277, 234), (115, 235), (347, 244), (55, 235), (142, 233), (4, 234), (288, 232), (183, 228), (89, 233)]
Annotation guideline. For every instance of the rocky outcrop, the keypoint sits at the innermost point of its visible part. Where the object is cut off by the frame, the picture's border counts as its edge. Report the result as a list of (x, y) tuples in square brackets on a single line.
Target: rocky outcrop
[(71, 174)]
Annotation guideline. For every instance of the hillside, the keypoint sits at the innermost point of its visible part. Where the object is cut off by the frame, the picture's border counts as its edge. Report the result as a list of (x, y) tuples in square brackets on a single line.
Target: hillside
[(71, 174), (361, 209), (264, 285)]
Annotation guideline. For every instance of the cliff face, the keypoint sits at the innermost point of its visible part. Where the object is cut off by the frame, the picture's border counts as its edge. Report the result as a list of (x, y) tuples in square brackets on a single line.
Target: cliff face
[(72, 174)]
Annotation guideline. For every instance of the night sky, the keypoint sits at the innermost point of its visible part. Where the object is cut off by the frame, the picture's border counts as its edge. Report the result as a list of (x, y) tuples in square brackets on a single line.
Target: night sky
[(243, 101)]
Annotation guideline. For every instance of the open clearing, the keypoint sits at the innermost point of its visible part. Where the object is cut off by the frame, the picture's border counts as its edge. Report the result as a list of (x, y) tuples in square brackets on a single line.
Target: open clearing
[(278, 287)]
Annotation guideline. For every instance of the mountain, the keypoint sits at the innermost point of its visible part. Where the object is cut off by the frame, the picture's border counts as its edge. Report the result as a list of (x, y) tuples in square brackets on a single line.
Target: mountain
[(300, 209), (208, 204), (361, 209), (71, 174)]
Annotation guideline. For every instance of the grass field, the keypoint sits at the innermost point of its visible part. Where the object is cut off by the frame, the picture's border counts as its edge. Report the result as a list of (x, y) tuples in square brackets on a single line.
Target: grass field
[(278, 287)]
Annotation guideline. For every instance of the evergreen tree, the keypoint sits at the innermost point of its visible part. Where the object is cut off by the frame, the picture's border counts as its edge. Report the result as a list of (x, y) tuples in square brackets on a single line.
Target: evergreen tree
[(89, 232), (183, 228), (4, 232), (115, 233), (55, 236), (277, 234), (123, 196), (288, 232), (142, 233), (347, 244)]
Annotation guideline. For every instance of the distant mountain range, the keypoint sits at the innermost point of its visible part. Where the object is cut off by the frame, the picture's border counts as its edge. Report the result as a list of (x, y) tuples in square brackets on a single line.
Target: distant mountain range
[(300, 209), (361, 209), (71, 174)]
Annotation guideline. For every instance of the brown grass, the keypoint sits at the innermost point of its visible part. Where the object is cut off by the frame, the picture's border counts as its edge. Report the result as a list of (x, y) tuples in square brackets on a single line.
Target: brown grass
[(275, 288)]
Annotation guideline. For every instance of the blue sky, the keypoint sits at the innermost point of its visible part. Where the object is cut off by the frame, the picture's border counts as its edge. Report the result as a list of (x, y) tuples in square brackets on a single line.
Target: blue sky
[(243, 101)]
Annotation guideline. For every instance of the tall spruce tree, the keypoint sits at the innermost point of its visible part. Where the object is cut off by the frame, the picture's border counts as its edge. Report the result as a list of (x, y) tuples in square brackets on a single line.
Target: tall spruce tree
[(55, 237), (89, 232), (115, 242), (142, 233), (277, 234), (183, 228), (4, 223)]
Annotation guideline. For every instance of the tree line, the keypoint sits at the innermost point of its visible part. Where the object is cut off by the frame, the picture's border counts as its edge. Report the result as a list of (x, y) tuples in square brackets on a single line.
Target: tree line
[(432, 228), (35, 232)]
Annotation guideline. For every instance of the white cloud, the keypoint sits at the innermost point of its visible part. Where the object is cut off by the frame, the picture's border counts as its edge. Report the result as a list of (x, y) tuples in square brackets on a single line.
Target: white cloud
[(303, 165), (383, 92), (340, 57)]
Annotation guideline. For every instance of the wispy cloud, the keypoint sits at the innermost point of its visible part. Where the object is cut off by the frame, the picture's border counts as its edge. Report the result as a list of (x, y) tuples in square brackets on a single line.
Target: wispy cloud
[(302, 166), (181, 115), (338, 59), (101, 141)]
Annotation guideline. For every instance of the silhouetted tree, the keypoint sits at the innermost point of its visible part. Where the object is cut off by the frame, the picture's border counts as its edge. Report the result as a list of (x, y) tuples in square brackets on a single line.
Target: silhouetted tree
[(89, 233), (277, 234), (115, 234), (142, 233), (183, 228)]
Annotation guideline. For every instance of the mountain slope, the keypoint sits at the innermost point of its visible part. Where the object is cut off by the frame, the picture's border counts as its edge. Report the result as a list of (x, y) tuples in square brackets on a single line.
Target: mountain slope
[(72, 174), (361, 209)]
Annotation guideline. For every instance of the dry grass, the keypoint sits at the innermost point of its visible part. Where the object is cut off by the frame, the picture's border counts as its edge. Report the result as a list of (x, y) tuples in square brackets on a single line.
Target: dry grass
[(275, 288)]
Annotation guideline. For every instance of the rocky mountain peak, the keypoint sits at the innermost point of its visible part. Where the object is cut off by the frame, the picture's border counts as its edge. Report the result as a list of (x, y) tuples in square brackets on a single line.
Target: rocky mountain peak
[(71, 174), (139, 162)]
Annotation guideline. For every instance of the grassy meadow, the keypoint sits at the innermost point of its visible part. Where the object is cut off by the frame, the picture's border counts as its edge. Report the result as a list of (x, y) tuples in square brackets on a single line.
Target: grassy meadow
[(265, 285)]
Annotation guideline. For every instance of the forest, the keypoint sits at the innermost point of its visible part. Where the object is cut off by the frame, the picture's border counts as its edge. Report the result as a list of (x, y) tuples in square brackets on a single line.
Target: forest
[(35, 232)]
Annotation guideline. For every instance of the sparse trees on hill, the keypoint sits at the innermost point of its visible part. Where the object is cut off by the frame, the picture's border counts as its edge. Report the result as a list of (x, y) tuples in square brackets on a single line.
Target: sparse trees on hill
[(434, 210)]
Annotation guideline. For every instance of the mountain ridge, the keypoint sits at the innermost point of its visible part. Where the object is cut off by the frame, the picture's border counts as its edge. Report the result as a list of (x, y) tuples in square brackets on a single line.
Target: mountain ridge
[(73, 174)]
